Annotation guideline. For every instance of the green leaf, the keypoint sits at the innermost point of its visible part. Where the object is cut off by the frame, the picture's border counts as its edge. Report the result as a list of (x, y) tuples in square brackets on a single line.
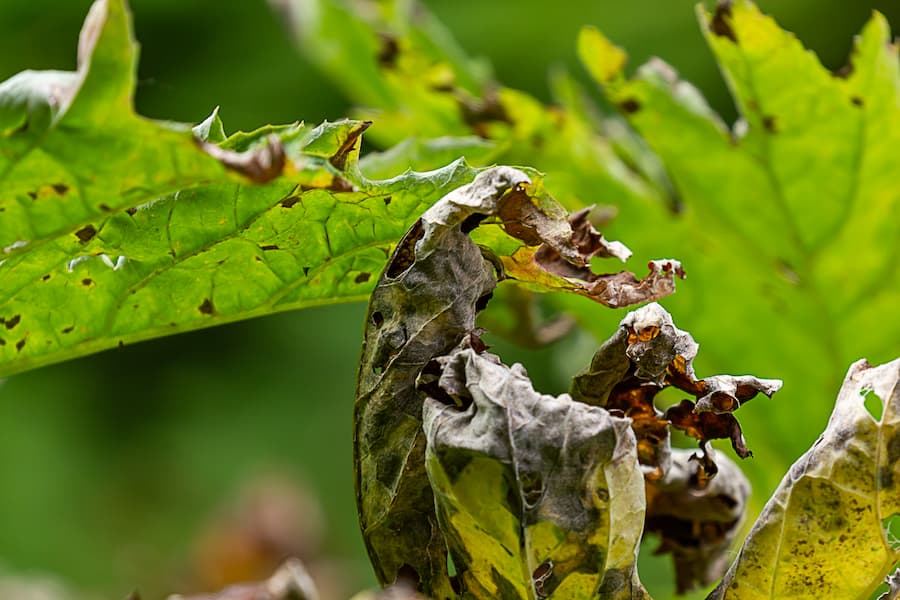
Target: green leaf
[(788, 227), (197, 245), (539, 496), (825, 532), (404, 70)]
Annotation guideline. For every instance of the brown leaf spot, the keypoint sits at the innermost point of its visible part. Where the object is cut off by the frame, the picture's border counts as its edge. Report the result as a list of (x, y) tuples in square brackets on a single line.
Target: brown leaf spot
[(363, 277), (405, 254), (20, 344), (68, 329), (105, 208), (45, 277), (32, 195), (630, 106), (2, 342), (87, 281), (289, 202), (206, 307), (857, 101), (844, 72), (60, 188), (260, 165), (721, 21), (770, 123), (86, 234), (339, 159), (131, 211), (387, 200), (478, 113), (12, 321), (306, 271), (387, 53), (270, 247)]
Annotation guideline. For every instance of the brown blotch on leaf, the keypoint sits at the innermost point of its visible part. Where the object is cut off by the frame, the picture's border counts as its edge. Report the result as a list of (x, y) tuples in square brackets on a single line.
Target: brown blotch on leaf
[(206, 307), (105, 208), (270, 247), (261, 164), (60, 188), (289, 202), (857, 101), (68, 329), (32, 195), (87, 281), (630, 106), (388, 51), (649, 354), (844, 72), (12, 321), (362, 277), (720, 23), (20, 344), (306, 271), (131, 211), (86, 234), (770, 123), (405, 254), (339, 159), (478, 113), (45, 277), (387, 200)]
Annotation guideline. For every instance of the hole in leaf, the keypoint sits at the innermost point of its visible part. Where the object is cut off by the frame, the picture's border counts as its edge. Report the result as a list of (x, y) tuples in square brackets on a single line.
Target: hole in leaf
[(873, 404), (891, 528), (451, 565)]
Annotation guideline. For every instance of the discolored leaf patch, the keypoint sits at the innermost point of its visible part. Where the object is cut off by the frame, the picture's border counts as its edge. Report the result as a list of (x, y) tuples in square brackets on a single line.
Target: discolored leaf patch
[(539, 496), (822, 534)]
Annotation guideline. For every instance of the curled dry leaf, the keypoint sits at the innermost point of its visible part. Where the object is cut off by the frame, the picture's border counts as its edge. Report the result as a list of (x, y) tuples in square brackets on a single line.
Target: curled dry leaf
[(696, 523), (424, 304), (290, 582), (259, 165), (539, 496), (893, 582), (823, 533), (647, 354)]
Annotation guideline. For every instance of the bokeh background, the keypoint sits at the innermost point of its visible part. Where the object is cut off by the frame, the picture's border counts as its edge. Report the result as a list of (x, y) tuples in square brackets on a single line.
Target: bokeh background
[(185, 463)]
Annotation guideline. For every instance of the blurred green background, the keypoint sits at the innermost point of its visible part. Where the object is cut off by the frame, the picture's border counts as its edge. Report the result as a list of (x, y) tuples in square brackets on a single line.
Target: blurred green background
[(127, 469)]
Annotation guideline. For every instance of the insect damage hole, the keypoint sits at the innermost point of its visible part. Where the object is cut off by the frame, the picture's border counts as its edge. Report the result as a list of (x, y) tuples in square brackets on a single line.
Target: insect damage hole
[(891, 528), (873, 404)]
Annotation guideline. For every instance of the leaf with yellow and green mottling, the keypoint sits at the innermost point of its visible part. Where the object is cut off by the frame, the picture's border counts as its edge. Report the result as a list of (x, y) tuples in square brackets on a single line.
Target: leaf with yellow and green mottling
[(788, 223), (538, 496), (825, 533)]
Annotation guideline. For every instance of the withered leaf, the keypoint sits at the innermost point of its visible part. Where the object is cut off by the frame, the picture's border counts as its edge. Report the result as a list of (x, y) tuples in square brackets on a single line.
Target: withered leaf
[(647, 354), (290, 582), (425, 303), (696, 522), (824, 533), (539, 496)]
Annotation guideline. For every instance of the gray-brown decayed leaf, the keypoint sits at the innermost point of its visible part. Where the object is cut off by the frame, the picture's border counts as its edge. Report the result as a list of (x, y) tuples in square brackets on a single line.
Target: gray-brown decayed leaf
[(647, 354), (260, 165), (696, 524), (893, 582), (823, 533), (290, 582), (539, 496), (424, 304)]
